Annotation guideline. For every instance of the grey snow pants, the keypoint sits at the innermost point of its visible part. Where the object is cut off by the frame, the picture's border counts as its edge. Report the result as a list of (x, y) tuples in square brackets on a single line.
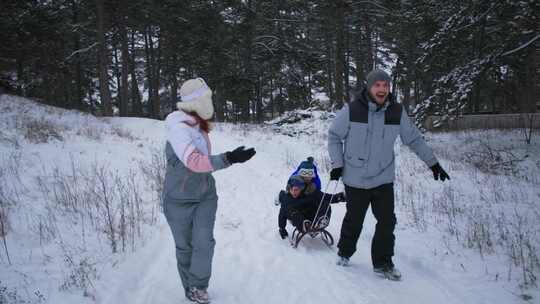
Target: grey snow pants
[(192, 226)]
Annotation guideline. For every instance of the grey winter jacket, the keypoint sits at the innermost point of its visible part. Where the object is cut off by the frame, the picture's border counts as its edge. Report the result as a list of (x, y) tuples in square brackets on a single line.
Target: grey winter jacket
[(361, 140), (183, 185)]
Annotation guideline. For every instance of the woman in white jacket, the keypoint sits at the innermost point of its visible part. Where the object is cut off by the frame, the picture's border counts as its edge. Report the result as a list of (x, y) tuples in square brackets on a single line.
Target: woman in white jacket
[(189, 192)]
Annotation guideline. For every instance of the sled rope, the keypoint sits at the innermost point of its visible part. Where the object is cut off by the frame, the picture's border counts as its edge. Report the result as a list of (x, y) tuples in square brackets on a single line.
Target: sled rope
[(321, 202)]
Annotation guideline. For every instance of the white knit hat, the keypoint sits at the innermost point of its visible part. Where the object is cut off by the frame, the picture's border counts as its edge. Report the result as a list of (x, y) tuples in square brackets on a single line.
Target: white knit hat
[(196, 97)]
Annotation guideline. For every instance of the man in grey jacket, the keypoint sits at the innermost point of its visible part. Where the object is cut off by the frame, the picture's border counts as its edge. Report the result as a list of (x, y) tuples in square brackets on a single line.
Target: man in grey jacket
[(361, 147)]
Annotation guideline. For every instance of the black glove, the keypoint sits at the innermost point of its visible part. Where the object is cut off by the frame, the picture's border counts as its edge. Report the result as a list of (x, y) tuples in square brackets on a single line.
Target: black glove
[(282, 195), (283, 233), (339, 197), (240, 155), (438, 172), (335, 174)]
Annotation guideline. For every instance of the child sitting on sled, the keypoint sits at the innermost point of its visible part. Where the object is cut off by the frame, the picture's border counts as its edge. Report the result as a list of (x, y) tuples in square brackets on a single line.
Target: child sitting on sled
[(300, 201)]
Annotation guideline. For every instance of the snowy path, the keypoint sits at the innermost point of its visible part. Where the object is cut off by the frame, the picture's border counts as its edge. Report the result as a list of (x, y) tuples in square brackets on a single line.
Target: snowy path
[(253, 265)]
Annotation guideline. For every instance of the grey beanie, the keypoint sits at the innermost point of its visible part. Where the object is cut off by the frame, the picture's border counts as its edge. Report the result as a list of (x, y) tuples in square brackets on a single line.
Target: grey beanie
[(377, 75)]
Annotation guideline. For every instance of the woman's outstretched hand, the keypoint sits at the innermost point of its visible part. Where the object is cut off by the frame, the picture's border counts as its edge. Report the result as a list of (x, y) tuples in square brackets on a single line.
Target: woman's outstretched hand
[(240, 155)]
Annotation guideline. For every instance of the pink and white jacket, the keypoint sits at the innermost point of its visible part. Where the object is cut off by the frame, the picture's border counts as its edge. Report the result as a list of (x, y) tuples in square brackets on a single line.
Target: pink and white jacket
[(191, 144), (189, 161)]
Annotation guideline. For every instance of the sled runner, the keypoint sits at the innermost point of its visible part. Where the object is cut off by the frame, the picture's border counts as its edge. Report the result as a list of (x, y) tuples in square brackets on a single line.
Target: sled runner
[(319, 228)]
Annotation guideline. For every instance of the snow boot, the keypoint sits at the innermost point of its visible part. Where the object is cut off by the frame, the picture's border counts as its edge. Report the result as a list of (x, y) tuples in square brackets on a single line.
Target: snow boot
[(306, 226), (388, 272), (342, 261), (199, 295)]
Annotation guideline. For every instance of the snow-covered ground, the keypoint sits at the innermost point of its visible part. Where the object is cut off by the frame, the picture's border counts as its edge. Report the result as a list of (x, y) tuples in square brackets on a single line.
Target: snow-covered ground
[(473, 239)]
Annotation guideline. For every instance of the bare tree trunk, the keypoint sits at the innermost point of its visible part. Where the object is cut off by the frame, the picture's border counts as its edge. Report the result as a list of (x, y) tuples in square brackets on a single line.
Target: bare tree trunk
[(310, 86), (152, 68), (149, 70), (395, 87), (78, 102), (281, 105), (124, 96), (258, 103), (116, 67), (248, 64), (21, 76), (406, 90), (529, 94), (103, 60), (174, 90), (272, 97), (340, 56), (156, 108), (135, 94), (368, 38), (416, 91), (346, 64), (359, 57), (329, 67), (219, 100)]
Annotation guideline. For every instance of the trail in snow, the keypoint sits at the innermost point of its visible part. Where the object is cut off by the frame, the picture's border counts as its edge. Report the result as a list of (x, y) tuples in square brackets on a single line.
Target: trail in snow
[(253, 265)]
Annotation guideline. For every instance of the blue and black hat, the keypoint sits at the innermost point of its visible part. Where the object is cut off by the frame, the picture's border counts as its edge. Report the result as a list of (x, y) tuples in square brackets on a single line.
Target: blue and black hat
[(307, 168)]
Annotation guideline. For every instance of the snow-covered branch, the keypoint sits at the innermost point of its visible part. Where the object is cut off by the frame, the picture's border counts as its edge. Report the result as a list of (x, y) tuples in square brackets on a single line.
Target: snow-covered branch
[(522, 46), (86, 49)]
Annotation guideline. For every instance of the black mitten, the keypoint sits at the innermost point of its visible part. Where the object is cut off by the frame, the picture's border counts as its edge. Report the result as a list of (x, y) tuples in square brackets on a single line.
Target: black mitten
[(340, 197), (240, 155), (438, 172), (283, 233), (335, 174)]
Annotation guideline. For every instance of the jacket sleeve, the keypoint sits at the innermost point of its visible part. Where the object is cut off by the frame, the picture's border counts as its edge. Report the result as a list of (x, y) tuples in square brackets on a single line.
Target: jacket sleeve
[(410, 136), (282, 217), (178, 135), (336, 135)]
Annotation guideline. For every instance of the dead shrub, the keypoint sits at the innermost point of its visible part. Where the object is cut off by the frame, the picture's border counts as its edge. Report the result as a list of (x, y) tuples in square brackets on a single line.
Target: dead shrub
[(91, 132), (153, 171), (41, 131), (493, 161), (123, 133), (82, 273)]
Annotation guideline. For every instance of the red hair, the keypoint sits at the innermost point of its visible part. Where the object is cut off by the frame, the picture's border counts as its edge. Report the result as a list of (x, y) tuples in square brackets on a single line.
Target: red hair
[(203, 124)]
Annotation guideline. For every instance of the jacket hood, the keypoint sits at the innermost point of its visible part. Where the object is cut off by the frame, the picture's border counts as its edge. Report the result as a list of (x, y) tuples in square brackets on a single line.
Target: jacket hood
[(180, 116)]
